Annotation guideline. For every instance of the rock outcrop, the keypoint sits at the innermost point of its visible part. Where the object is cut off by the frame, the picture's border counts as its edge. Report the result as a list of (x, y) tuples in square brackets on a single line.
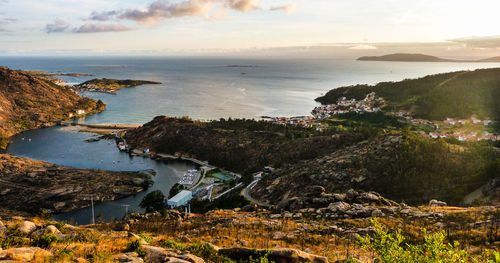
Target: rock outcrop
[(28, 185)]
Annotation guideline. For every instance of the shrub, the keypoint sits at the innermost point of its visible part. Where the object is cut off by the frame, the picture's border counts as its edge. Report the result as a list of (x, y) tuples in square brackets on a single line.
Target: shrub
[(391, 248), (136, 246), (45, 240), (154, 201), (146, 238)]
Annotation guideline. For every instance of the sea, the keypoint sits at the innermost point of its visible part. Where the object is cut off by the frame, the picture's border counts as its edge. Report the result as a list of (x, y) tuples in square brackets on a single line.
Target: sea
[(202, 88)]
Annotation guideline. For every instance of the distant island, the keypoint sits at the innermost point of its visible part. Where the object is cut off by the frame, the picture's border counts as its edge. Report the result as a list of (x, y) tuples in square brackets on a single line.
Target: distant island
[(68, 75), (406, 57), (110, 85)]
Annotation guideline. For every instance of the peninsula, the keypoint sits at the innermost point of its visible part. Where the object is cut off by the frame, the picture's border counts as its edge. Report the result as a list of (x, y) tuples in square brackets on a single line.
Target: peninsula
[(110, 85), (406, 57)]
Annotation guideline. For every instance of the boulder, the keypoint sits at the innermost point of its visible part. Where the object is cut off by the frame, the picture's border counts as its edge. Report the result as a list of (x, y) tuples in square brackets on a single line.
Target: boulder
[(367, 198), (27, 227), (340, 207), (23, 254), (52, 230), (131, 257), (352, 194), (314, 191), (340, 197), (157, 254), (436, 203), (277, 255), (377, 213)]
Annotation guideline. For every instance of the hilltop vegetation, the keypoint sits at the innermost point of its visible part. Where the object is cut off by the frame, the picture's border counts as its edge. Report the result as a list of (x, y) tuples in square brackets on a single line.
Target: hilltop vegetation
[(406, 167), (238, 145), (435, 97)]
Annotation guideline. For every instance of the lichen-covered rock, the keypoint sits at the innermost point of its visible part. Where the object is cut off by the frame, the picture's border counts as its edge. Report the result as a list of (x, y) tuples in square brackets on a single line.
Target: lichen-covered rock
[(27, 227), (24, 254)]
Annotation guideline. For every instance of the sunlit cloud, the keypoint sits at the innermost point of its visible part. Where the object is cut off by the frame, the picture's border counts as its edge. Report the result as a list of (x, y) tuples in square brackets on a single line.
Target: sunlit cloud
[(163, 9), (286, 8), (100, 28)]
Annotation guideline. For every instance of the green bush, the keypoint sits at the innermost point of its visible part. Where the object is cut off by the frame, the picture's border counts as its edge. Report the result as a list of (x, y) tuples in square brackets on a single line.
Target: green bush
[(393, 248), (45, 240), (136, 246), (146, 238)]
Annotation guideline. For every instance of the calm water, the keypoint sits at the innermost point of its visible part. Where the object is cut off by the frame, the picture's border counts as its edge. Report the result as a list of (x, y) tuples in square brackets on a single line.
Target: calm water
[(60, 146), (202, 88)]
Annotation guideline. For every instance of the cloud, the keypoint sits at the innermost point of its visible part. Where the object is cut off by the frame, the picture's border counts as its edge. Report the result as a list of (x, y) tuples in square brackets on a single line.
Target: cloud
[(166, 9), (100, 28), (485, 42), (58, 26), (102, 16), (6, 21), (287, 8), (242, 5), (162, 9)]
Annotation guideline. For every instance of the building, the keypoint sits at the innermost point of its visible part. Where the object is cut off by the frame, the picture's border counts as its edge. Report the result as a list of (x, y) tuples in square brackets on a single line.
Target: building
[(80, 112), (180, 199)]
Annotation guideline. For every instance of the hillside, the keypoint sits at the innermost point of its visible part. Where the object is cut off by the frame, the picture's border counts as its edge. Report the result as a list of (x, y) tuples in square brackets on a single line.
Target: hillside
[(237, 145), (402, 167), (406, 57), (435, 97), (28, 101), (110, 85)]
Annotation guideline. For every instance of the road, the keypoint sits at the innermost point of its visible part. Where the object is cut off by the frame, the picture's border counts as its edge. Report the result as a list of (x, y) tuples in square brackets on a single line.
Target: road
[(246, 194)]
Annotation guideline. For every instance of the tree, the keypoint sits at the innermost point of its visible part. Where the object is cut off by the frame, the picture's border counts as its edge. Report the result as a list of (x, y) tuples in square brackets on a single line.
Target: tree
[(154, 201), (177, 188)]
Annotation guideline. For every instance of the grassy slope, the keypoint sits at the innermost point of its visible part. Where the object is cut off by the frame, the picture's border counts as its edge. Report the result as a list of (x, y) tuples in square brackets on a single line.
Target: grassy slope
[(28, 101)]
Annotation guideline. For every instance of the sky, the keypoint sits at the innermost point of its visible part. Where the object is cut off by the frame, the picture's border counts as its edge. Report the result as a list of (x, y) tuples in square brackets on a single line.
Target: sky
[(197, 26)]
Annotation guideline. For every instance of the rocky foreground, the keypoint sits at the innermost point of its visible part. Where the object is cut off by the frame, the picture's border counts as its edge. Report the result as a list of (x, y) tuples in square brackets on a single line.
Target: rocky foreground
[(249, 234), (29, 185)]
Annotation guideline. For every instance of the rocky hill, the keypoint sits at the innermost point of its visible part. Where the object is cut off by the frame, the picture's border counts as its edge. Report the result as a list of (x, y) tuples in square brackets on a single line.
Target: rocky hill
[(28, 101), (29, 185), (237, 145), (405, 168)]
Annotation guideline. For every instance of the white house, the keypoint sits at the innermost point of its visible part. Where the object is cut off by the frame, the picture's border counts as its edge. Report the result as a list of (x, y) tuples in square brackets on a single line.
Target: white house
[(80, 112), (180, 199)]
